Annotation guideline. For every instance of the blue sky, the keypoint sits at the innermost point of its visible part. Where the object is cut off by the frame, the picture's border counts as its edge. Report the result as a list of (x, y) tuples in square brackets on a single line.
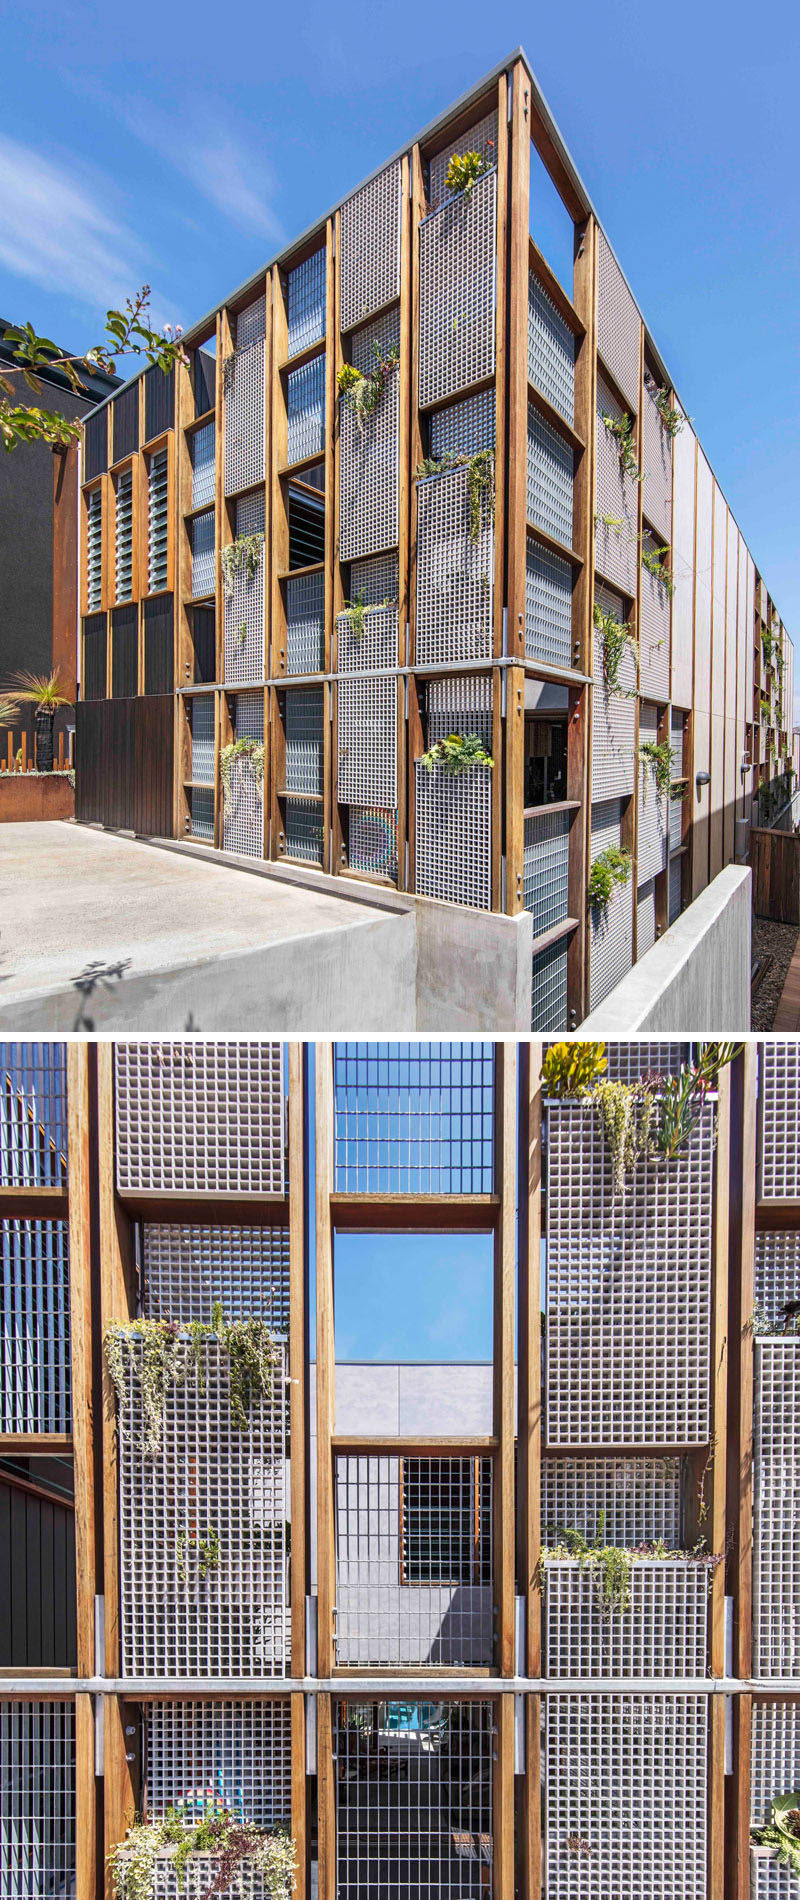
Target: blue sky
[(182, 147), (413, 1296)]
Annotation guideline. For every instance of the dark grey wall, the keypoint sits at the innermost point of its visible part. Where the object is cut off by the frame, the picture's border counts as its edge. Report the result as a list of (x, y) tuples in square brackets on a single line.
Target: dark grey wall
[(38, 1626)]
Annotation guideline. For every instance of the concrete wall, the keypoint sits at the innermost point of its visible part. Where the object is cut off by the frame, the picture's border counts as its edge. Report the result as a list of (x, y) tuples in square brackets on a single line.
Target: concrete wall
[(696, 980), (473, 969)]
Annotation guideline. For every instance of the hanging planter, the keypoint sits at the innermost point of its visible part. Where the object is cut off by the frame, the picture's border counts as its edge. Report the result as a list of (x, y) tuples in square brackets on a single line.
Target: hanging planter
[(611, 1565), (246, 551), (243, 1857), (456, 754), (480, 483), (611, 868), (361, 392), (615, 640), (658, 756), (148, 1358), (251, 754), (356, 611)]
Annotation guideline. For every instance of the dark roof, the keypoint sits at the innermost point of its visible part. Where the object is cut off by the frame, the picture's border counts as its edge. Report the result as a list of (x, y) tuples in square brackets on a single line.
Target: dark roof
[(95, 384)]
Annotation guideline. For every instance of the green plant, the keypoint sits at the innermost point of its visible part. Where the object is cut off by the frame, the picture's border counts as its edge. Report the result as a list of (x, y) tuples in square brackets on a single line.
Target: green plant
[(241, 1850), (615, 638), (152, 1356), (622, 428), (627, 1113), (356, 612), (570, 1068), (610, 868), (678, 790), (251, 753), (609, 521), (653, 559), (45, 693), (782, 1831), (456, 754), (671, 418), (250, 1347), (480, 483), (208, 1551), (682, 1096), (246, 552), (613, 1563), (363, 392), (658, 756), (463, 170), (128, 333), (768, 643)]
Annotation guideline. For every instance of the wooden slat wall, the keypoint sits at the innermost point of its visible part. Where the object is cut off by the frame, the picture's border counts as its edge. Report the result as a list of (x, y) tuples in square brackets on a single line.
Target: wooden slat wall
[(124, 764)]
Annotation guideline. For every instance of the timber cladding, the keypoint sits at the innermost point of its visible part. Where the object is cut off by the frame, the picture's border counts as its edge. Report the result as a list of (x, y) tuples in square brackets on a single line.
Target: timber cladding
[(126, 749)]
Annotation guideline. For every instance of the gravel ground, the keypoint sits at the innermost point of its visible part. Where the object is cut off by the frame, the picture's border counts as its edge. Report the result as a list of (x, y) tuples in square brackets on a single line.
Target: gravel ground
[(777, 940)]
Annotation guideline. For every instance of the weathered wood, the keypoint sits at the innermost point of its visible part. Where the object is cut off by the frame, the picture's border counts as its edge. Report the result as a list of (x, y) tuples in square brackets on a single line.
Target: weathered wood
[(775, 864)]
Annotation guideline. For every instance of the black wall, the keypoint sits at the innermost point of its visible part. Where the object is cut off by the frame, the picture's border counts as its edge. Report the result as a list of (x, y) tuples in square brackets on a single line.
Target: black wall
[(124, 750), (38, 1624)]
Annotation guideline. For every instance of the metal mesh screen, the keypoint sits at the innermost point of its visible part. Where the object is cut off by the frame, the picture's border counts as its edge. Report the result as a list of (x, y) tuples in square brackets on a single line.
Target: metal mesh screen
[(548, 606), (251, 324), (244, 600), (454, 836), (776, 1274), (123, 533), (206, 1116), (645, 918), (305, 406), (656, 467), (776, 1508), (305, 303), (768, 1879), (37, 1800), (368, 461), (628, 1289), (369, 229), (304, 739), (34, 1327), (202, 814), (481, 137), (243, 806), (460, 703), (635, 1499), (413, 1561), (183, 1612), (546, 868), (305, 831), (375, 648), (457, 266), (375, 580), (187, 1268), (549, 490), (613, 716), (202, 715), (549, 988), (774, 1755), (779, 1120), (551, 350), (305, 623), (616, 505), (604, 1756), (414, 1118), (158, 519), (629, 1061), (455, 575), (675, 888), (654, 635), (618, 324), (33, 1114), (201, 536), (464, 428), (202, 449), (662, 1633), (653, 806), (414, 1798), (372, 841), (200, 1756), (243, 393), (367, 741), (94, 550)]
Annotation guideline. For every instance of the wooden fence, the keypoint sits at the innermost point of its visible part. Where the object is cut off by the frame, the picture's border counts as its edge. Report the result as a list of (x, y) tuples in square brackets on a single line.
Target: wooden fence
[(18, 752), (775, 864)]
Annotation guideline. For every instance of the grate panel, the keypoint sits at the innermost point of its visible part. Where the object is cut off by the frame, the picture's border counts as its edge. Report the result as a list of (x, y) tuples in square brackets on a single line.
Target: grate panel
[(187, 1268), (367, 741), (462, 703), (656, 466), (645, 918), (774, 1755), (244, 600), (369, 226), (305, 408), (205, 1116), (457, 267), (251, 324), (305, 303), (662, 1633), (33, 1114), (551, 350), (549, 988), (374, 649), (618, 324), (202, 814), (199, 1756), (35, 1383), (368, 456), (37, 1800), (546, 869), (675, 888), (550, 469), (779, 1120), (629, 1061), (603, 1756), (202, 446), (305, 624), (548, 606), (481, 137), (201, 536), (636, 1499), (776, 1508), (464, 428), (455, 575), (202, 716), (243, 395), (414, 1798), (305, 831), (616, 504), (654, 641), (454, 836), (613, 716), (653, 808), (243, 807), (305, 739), (777, 1275), (372, 841), (413, 1118)]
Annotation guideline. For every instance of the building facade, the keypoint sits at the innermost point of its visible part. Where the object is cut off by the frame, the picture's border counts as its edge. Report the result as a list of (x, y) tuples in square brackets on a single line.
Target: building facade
[(519, 538), (355, 1611)]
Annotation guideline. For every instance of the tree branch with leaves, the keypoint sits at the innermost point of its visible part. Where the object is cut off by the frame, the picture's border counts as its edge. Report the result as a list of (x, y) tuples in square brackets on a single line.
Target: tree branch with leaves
[(128, 333)]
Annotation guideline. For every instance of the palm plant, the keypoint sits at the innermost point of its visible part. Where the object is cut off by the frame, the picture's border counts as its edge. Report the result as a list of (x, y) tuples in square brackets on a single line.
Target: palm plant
[(44, 692)]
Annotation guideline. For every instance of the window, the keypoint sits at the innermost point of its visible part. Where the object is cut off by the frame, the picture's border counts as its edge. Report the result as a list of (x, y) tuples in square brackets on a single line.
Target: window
[(94, 551), (157, 572), (124, 536), (446, 1515)]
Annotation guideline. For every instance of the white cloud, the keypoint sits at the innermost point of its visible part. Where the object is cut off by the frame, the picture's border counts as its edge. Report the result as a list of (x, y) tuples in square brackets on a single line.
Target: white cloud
[(234, 180), (55, 231)]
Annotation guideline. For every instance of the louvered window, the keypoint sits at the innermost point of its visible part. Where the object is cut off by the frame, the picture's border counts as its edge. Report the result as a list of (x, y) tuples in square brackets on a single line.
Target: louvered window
[(124, 536), (157, 568), (446, 1506), (94, 551)]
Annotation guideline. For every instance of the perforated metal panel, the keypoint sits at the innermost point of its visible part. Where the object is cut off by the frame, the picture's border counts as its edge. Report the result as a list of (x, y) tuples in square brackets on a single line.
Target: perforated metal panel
[(375, 580), (209, 1481), (198, 1878), (480, 137), (369, 227), (94, 550), (372, 650), (244, 601), (367, 741), (305, 303), (618, 324), (454, 836), (616, 503), (413, 1561), (546, 868), (414, 1798), (201, 450), (251, 323), (158, 521), (779, 1120), (202, 1116), (372, 841), (201, 536), (549, 489), (187, 1268), (34, 1326), (675, 888), (305, 831), (777, 1274), (466, 427), (202, 716), (457, 246), (629, 1061), (776, 1508), (305, 408), (243, 808), (455, 575), (654, 638), (551, 350), (653, 807), (243, 393), (606, 1756), (662, 1633), (613, 716), (549, 988), (634, 1500), (645, 918), (769, 1880), (33, 1114), (305, 623), (548, 606), (202, 814), (368, 458), (414, 1118), (37, 1800), (200, 1756), (656, 467), (774, 1755), (628, 1289), (304, 739), (461, 702)]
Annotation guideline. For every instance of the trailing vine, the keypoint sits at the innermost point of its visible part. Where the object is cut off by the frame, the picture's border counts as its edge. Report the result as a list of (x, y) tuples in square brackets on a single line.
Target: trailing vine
[(612, 1564), (456, 754), (251, 753), (658, 756), (362, 392), (610, 868), (671, 418), (242, 1851), (653, 559), (621, 427), (151, 1357), (208, 1549), (356, 612), (781, 1832), (627, 1112), (480, 483), (246, 552), (615, 639), (463, 171)]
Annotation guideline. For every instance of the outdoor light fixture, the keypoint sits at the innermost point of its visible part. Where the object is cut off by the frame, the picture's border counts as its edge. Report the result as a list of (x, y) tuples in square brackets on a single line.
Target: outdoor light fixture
[(702, 778)]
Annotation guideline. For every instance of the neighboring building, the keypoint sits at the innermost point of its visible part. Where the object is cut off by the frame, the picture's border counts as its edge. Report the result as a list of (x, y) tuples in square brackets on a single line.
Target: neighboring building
[(38, 541), (261, 564), (331, 1615)]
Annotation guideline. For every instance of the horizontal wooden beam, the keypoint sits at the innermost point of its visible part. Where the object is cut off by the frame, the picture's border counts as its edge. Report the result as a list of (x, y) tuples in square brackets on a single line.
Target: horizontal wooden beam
[(35, 1444), (33, 1203), (772, 1216), (245, 1209), (413, 1446), (415, 1213)]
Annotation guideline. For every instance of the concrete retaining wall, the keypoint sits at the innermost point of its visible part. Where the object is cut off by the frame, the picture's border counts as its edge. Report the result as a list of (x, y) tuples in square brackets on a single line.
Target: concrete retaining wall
[(696, 980)]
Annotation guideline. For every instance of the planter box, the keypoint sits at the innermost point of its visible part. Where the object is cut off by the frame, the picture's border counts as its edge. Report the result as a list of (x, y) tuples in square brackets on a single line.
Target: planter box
[(664, 1633), (30, 797), (774, 1755)]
